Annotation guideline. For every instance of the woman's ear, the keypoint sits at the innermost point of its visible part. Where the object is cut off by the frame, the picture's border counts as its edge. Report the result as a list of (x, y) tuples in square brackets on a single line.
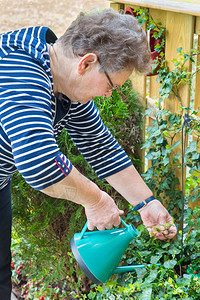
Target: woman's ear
[(86, 62)]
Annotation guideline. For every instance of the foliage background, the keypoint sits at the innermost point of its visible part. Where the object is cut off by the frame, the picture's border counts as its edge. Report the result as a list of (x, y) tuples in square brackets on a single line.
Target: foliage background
[(43, 226)]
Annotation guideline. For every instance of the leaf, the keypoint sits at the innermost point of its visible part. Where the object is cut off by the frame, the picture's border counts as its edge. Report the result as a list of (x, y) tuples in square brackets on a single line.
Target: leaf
[(176, 144), (155, 133), (165, 161), (140, 272), (155, 259), (179, 49), (146, 144), (186, 56), (168, 88), (152, 276), (192, 147), (195, 156), (185, 281), (149, 156), (146, 294), (148, 112), (169, 264), (159, 140)]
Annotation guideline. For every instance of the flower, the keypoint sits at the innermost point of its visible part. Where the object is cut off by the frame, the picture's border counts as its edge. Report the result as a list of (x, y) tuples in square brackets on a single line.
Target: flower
[(12, 265)]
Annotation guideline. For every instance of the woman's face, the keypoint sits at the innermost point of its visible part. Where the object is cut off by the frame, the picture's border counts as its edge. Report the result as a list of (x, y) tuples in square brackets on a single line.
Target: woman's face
[(95, 83), (85, 81)]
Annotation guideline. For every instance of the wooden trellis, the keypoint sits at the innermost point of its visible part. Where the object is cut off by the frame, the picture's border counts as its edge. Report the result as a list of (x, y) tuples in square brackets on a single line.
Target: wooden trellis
[(182, 22)]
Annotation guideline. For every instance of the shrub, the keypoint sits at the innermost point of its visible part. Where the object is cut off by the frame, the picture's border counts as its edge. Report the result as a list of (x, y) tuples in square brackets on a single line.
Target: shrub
[(44, 225)]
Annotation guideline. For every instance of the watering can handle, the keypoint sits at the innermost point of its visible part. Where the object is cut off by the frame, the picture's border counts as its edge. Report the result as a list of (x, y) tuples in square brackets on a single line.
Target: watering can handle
[(86, 227)]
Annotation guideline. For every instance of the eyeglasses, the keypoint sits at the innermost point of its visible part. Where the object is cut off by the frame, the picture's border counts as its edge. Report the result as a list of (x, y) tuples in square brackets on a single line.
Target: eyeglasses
[(108, 77)]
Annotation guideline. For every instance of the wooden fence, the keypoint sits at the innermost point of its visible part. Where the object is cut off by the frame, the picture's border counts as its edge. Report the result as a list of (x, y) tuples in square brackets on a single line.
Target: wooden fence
[(182, 22)]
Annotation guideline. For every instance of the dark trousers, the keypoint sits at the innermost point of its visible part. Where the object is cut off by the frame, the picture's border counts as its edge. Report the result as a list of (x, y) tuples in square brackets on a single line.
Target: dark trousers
[(5, 242)]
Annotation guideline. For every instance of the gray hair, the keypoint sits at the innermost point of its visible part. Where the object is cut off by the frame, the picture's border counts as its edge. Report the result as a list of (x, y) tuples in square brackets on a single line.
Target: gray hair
[(117, 39)]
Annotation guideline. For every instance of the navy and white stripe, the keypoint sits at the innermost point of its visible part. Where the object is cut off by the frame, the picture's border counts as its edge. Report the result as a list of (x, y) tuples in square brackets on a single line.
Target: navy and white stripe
[(95, 141), (29, 121)]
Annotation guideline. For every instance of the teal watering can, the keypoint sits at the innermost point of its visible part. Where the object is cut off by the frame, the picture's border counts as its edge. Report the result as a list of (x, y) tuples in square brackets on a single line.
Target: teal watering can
[(98, 253)]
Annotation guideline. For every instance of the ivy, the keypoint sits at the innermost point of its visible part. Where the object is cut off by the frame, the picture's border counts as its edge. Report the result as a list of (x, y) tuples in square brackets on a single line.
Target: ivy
[(45, 224), (171, 280)]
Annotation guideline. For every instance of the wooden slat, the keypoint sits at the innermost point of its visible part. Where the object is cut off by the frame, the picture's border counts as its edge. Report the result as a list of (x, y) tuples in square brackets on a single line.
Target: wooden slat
[(191, 8), (139, 85), (196, 202), (158, 16), (139, 80), (180, 31), (197, 85), (132, 6), (197, 105), (117, 6), (197, 25)]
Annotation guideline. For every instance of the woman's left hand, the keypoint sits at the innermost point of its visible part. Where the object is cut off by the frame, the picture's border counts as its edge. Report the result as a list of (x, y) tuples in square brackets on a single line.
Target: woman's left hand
[(158, 221)]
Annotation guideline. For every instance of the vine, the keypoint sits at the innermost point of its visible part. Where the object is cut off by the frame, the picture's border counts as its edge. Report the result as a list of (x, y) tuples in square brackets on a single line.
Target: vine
[(164, 134), (178, 276)]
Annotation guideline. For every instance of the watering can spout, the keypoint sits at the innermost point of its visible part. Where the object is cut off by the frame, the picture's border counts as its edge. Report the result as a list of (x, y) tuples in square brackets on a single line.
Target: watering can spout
[(98, 253), (124, 269)]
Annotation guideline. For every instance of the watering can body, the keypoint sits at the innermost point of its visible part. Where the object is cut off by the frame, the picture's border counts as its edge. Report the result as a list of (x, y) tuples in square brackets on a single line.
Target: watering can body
[(98, 253)]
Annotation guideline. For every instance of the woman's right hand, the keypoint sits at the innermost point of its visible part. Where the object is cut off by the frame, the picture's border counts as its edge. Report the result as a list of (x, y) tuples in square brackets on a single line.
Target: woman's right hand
[(104, 214)]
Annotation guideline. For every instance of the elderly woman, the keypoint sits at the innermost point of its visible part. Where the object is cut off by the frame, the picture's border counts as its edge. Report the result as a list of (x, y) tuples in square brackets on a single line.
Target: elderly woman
[(47, 84)]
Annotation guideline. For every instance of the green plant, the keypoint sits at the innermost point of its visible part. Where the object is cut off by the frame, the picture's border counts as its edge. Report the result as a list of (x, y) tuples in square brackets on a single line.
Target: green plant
[(169, 280), (157, 282), (122, 114), (43, 225)]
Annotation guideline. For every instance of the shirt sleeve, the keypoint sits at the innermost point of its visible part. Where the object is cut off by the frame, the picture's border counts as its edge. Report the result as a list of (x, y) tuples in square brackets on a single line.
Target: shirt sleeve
[(26, 118), (94, 140), (35, 152)]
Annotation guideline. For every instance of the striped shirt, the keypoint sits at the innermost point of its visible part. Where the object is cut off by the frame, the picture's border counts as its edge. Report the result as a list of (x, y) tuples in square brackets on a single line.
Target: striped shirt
[(31, 117)]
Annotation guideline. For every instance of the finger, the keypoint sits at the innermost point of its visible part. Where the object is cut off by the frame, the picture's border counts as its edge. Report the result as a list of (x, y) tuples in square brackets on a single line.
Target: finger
[(90, 226), (161, 237), (117, 222), (121, 212), (172, 232), (109, 226), (101, 227), (156, 234), (171, 235), (165, 232), (164, 235)]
